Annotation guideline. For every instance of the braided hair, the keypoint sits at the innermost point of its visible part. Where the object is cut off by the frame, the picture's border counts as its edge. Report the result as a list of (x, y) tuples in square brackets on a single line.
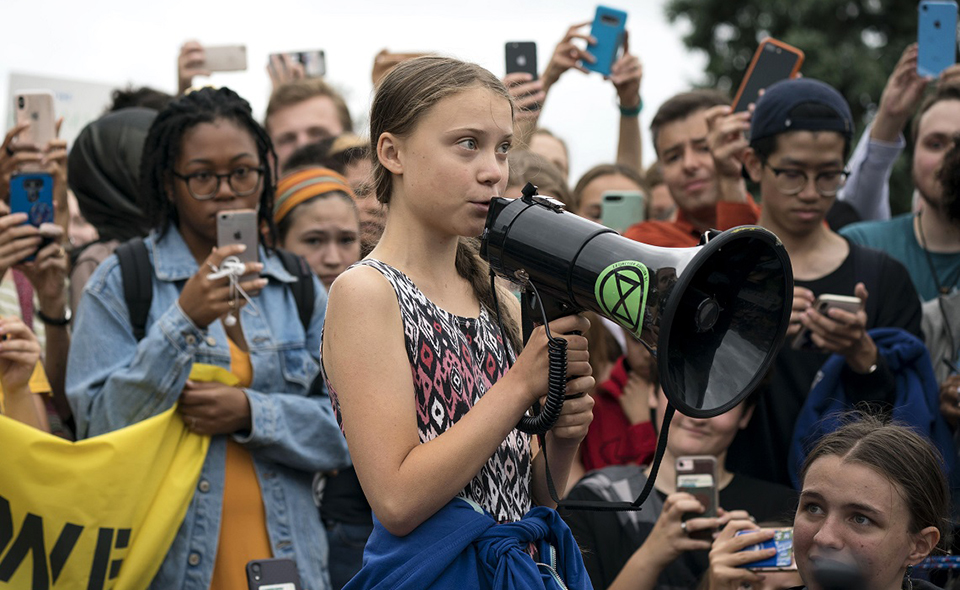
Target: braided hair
[(162, 148)]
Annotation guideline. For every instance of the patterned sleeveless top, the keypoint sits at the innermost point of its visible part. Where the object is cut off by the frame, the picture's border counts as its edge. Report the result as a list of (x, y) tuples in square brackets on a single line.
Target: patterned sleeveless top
[(454, 360)]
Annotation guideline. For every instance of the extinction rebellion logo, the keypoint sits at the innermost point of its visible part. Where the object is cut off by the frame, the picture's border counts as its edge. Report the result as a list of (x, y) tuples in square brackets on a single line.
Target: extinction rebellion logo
[(621, 291)]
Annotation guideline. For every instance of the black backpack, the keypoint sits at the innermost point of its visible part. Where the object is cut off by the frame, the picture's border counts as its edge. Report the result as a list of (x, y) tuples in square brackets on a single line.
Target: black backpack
[(137, 272)]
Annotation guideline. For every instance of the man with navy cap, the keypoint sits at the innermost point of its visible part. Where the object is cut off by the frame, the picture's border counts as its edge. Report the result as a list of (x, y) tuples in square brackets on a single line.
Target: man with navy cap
[(799, 140)]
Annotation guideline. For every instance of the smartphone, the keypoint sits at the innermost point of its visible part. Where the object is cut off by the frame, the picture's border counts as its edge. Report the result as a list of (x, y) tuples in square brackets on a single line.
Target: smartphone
[(32, 193), (609, 25), (314, 62), (521, 57), (823, 304), (36, 108), (621, 209), (239, 226), (225, 58), (697, 476), (782, 541), (773, 61), (936, 36), (272, 574)]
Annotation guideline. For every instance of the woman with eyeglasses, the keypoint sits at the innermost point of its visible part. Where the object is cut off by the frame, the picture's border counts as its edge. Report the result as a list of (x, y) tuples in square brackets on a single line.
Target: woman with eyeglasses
[(270, 432)]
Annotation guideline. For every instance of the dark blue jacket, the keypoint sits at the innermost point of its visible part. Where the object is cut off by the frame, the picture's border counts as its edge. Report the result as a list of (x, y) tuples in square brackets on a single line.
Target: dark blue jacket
[(462, 548), (917, 402)]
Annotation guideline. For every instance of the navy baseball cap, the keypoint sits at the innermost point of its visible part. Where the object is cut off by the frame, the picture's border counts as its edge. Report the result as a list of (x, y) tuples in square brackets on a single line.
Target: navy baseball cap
[(778, 110)]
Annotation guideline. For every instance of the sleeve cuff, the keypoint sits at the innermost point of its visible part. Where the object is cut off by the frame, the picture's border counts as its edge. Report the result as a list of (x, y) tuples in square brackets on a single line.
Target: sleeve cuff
[(262, 420), (180, 329)]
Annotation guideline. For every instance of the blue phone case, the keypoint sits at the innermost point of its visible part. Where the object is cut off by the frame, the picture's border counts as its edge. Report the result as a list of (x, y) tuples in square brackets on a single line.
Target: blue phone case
[(608, 27), (936, 36), (32, 193)]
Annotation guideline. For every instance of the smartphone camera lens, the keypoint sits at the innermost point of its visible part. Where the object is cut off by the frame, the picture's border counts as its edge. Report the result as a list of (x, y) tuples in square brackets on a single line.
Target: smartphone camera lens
[(936, 24), (256, 572), (20, 102)]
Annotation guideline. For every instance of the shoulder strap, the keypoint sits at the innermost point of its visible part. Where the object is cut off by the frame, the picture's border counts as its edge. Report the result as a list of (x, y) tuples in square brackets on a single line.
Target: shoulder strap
[(137, 273), (303, 292)]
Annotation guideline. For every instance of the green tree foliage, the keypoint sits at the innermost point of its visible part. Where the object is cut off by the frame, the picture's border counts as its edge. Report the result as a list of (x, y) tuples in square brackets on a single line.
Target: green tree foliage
[(852, 45)]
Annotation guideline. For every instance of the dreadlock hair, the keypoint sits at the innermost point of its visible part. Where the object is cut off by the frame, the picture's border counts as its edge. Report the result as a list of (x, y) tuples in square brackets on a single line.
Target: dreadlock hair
[(403, 97), (162, 148)]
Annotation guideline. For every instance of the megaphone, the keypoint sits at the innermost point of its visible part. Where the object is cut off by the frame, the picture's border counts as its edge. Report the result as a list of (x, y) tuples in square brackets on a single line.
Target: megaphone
[(714, 315)]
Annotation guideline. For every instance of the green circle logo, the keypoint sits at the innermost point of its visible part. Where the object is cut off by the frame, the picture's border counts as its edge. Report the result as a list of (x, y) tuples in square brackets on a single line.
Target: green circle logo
[(621, 292)]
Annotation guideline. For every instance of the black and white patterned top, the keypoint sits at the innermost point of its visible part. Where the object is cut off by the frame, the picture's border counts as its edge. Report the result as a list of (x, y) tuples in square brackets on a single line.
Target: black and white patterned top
[(454, 360)]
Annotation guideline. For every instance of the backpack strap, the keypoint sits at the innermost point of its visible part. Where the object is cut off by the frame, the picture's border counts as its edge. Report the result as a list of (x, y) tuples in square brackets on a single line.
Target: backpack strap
[(303, 291), (137, 273)]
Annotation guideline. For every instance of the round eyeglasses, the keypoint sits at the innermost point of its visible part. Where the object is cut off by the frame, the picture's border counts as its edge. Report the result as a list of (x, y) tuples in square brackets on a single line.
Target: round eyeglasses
[(204, 185), (791, 181)]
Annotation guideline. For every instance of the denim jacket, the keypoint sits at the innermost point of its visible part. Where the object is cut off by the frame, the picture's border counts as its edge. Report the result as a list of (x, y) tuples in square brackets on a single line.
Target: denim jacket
[(114, 381)]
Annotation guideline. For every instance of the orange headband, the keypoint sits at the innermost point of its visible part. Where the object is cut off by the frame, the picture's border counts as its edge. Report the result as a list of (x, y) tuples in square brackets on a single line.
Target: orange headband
[(301, 185)]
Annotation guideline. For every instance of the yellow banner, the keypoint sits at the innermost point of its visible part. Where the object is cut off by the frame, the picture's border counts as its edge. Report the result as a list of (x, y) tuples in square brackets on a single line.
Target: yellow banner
[(99, 513)]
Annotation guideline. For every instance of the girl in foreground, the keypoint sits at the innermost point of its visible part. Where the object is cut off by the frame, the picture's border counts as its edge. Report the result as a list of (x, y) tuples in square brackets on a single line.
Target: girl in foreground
[(874, 497), (422, 388)]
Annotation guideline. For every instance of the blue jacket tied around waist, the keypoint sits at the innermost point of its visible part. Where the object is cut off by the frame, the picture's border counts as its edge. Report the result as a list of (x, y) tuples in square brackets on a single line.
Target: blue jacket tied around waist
[(461, 547)]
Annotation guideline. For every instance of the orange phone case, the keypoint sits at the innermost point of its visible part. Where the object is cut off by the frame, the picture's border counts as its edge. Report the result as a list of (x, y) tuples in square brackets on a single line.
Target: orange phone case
[(756, 58)]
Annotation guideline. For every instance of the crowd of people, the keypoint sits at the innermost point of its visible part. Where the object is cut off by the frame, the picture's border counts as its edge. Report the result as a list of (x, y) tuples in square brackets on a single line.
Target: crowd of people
[(379, 374)]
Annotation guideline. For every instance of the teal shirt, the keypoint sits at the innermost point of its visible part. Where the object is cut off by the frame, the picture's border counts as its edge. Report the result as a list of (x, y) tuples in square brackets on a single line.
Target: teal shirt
[(897, 238)]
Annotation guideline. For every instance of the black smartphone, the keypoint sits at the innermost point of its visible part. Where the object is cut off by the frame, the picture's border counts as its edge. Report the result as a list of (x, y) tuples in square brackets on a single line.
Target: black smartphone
[(273, 574), (521, 57), (773, 61)]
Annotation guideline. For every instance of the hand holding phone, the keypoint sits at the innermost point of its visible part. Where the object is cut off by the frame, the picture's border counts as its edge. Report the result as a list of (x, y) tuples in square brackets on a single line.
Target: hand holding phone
[(779, 547), (608, 29), (35, 116), (697, 476), (823, 304), (239, 226), (936, 36), (773, 61), (225, 58), (296, 65)]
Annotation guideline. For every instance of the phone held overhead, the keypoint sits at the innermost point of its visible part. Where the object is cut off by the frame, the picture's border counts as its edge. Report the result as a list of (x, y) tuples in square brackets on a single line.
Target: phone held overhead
[(225, 58), (609, 26), (936, 36), (773, 61)]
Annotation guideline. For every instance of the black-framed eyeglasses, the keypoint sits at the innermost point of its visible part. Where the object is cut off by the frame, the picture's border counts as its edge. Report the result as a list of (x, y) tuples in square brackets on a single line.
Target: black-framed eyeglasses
[(791, 181), (204, 185)]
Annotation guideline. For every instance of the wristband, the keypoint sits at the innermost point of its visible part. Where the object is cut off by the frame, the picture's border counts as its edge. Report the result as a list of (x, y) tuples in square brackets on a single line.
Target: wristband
[(632, 112), (67, 316)]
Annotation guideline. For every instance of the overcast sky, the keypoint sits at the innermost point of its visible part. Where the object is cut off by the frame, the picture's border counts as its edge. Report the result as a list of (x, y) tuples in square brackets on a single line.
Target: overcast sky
[(129, 42)]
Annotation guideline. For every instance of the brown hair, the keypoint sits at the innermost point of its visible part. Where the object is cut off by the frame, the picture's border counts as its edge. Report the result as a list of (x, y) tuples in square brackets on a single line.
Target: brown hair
[(604, 170), (682, 106), (297, 91), (404, 96), (526, 166), (907, 459), (942, 93), (653, 175)]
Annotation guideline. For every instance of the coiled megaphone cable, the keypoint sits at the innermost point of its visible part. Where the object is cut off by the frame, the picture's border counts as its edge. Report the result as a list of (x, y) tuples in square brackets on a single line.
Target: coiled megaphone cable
[(544, 417)]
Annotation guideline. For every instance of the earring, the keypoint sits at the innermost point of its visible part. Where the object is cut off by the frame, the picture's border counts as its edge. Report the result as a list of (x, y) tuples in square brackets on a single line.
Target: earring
[(909, 579)]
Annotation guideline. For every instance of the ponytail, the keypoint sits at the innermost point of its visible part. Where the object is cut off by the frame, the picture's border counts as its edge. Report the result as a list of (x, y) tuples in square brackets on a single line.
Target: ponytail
[(476, 270)]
